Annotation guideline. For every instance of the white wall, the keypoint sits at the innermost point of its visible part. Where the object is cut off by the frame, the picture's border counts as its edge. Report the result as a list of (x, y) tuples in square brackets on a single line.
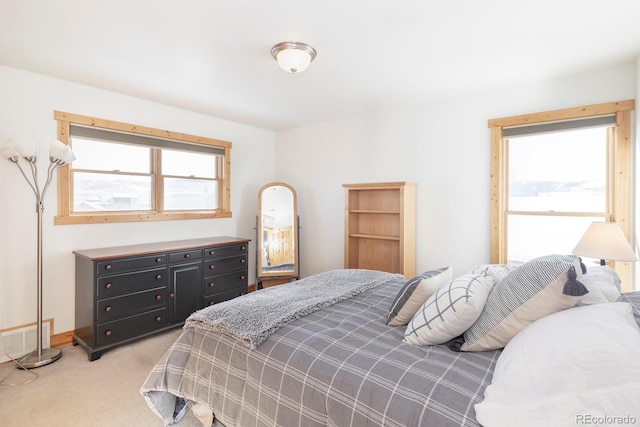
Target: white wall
[(444, 147), (26, 110)]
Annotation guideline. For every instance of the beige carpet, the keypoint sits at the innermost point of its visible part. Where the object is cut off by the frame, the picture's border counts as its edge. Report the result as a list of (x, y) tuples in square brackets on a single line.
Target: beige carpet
[(75, 392)]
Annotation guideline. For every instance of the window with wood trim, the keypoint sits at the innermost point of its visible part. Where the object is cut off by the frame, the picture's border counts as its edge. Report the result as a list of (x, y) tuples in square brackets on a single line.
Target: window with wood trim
[(126, 173), (555, 172)]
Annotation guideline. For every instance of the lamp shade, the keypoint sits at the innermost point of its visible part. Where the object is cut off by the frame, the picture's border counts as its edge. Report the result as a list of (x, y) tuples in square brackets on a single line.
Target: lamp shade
[(8, 149), (26, 148), (293, 57), (61, 152), (605, 240)]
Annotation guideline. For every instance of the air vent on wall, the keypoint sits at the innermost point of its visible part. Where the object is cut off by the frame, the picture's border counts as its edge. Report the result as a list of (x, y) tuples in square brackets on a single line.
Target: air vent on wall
[(18, 342)]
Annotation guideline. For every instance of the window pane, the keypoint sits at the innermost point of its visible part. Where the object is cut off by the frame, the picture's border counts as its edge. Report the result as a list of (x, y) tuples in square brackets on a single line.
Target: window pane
[(110, 157), (182, 163), (183, 194), (559, 171), (533, 236), (110, 192)]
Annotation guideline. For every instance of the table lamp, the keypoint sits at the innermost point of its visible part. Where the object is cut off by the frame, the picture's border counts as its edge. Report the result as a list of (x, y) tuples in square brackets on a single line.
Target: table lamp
[(605, 241)]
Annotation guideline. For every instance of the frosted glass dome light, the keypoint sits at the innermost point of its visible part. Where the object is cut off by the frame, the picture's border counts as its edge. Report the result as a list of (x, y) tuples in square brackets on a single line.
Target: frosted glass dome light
[(293, 57)]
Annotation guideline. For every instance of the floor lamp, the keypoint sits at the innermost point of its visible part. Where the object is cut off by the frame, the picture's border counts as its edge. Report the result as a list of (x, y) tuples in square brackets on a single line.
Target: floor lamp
[(59, 154)]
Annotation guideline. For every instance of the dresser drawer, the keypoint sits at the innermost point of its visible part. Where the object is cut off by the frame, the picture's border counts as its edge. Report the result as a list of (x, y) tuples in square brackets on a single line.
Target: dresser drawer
[(126, 305), (226, 251), (175, 257), (224, 265), (225, 282), (130, 327), (224, 296), (133, 282), (130, 264)]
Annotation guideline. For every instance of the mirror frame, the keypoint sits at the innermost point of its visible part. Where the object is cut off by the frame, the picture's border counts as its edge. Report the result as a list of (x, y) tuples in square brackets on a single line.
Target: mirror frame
[(260, 235)]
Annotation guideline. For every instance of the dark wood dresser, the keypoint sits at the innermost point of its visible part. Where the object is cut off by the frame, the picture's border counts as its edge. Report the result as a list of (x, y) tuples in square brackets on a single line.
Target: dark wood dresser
[(129, 292)]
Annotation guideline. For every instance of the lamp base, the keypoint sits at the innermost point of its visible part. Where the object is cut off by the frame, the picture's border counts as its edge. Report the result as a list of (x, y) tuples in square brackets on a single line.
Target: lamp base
[(47, 355)]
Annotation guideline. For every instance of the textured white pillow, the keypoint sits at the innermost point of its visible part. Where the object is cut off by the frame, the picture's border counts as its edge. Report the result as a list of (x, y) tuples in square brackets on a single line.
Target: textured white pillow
[(414, 293), (450, 311), (603, 284), (498, 271), (567, 367)]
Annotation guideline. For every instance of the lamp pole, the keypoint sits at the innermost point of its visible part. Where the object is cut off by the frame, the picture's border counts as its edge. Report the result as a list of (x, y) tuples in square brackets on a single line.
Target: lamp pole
[(40, 356)]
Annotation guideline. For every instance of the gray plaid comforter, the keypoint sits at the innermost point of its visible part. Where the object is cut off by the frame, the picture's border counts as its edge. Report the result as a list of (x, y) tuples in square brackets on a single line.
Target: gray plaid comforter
[(339, 366)]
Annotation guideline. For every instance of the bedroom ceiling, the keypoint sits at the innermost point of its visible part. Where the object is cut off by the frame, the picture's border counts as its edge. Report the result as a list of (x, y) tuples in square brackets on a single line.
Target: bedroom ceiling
[(213, 57)]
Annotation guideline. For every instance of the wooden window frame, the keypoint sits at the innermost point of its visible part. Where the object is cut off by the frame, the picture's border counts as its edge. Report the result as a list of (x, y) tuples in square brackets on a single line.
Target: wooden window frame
[(65, 185), (620, 210)]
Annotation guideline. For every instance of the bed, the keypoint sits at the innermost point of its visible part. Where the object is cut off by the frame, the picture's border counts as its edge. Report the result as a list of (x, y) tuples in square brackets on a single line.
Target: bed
[(338, 363)]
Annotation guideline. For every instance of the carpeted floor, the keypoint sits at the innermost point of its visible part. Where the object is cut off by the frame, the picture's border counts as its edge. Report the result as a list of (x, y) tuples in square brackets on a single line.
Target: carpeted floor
[(75, 392)]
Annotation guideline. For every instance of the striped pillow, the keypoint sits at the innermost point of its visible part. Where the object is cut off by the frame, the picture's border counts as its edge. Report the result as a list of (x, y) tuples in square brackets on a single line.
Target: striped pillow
[(536, 289), (416, 292)]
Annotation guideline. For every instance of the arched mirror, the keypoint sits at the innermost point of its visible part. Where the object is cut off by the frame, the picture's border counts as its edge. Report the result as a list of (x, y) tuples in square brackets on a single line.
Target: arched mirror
[(277, 234)]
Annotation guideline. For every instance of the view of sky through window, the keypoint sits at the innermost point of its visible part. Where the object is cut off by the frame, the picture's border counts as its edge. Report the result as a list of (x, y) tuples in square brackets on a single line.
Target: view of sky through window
[(118, 177), (555, 173)]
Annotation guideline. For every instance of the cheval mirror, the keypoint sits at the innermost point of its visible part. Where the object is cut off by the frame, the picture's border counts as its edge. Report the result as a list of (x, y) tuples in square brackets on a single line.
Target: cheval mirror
[(277, 235)]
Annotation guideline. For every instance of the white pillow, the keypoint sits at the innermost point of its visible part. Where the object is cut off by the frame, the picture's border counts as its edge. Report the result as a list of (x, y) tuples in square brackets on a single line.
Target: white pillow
[(450, 311), (566, 369), (498, 271), (603, 284)]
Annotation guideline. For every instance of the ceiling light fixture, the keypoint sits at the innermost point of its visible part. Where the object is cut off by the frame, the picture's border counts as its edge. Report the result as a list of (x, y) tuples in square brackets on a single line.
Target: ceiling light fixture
[(293, 57)]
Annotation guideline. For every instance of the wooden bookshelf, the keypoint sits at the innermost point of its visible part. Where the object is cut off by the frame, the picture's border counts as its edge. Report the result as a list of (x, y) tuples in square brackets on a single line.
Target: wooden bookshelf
[(380, 227)]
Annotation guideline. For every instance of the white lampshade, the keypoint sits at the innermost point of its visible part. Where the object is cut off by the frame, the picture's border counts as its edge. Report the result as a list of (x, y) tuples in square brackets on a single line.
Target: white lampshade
[(293, 57), (8, 149), (26, 148), (61, 151), (605, 241)]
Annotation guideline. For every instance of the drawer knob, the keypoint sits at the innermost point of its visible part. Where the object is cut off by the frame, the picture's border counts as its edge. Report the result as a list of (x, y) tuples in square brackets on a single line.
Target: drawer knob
[(107, 308), (187, 255), (171, 295), (211, 267), (211, 284), (211, 303), (158, 260), (243, 248), (108, 286), (158, 319), (107, 267), (158, 297), (242, 261), (107, 333), (242, 277), (212, 252), (159, 276)]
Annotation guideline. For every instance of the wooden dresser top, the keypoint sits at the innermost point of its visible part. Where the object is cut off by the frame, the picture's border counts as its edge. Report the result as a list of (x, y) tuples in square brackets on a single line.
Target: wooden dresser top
[(149, 248)]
